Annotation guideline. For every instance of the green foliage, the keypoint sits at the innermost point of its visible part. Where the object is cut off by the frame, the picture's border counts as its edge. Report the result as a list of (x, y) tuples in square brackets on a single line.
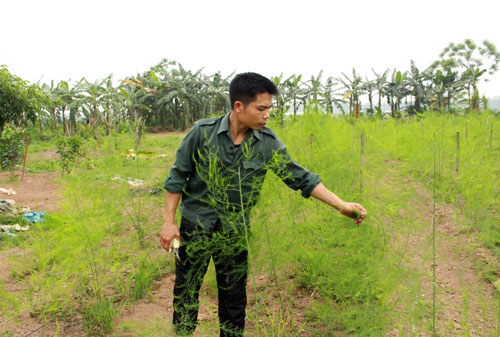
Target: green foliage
[(19, 101), (98, 317), (347, 280), (69, 150), (11, 147)]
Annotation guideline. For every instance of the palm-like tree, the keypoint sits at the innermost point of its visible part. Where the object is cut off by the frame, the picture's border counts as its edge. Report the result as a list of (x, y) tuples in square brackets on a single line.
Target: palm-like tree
[(380, 82), (330, 96), (93, 95), (216, 89), (294, 91), (352, 90)]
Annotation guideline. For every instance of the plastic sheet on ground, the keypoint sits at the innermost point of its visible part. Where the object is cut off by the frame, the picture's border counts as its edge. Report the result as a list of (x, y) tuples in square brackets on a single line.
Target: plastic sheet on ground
[(8, 206), (16, 227), (131, 154), (131, 181), (8, 191), (35, 216)]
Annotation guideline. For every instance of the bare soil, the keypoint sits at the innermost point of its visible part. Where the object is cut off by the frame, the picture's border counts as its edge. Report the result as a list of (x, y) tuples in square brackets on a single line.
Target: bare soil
[(37, 191), (466, 303)]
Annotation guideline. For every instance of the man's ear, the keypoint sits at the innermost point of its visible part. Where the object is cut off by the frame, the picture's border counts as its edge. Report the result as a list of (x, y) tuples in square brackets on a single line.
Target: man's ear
[(239, 106)]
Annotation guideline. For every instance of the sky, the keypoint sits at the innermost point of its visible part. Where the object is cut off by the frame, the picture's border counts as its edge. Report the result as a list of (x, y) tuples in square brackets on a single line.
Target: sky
[(70, 39)]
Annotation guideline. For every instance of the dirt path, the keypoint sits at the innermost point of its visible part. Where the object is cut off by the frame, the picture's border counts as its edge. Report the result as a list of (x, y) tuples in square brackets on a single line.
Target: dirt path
[(155, 312), (37, 191), (466, 303)]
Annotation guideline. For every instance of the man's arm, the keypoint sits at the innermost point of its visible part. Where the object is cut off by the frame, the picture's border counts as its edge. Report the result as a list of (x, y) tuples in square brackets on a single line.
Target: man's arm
[(170, 230), (349, 209)]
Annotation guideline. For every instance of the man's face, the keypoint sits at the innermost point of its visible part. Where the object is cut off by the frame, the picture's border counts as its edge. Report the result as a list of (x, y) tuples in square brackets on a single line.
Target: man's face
[(256, 114)]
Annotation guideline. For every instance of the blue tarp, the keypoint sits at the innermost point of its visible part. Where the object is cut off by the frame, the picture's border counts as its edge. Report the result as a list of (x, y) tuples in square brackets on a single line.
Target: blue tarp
[(35, 216)]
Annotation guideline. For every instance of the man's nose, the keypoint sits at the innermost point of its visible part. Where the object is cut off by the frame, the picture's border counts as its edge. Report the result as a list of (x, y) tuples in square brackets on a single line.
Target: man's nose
[(266, 114)]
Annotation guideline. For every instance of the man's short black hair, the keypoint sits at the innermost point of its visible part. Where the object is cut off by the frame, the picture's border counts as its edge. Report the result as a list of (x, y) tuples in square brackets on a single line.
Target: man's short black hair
[(246, 86)]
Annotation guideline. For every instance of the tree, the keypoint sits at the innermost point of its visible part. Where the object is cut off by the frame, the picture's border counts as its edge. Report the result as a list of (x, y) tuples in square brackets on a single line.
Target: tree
[(328, 96), (395, 90), (353, 90), (281, 98), (472, 62), (294, 91), (417, 83), (380, 82), (91, 103), (19, 101)]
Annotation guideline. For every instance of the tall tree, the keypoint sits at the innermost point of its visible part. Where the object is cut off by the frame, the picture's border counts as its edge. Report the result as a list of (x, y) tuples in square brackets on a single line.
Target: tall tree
[(472, 62), (352, 90), (380, 82), (19, 101)]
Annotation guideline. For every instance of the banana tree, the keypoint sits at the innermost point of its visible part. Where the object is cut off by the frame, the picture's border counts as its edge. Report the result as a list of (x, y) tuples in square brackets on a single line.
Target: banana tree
[(419, 87), (216, 91), (185, 92), (380, 83), (315, 88), (330, 96), (92, 100), (132, 91), (52, 103), (352, 91), (294, 91), (395, 90), (282, 105)]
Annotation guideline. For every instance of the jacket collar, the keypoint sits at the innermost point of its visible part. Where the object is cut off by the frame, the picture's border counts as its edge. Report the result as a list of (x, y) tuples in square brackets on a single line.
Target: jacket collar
[(224, 127)]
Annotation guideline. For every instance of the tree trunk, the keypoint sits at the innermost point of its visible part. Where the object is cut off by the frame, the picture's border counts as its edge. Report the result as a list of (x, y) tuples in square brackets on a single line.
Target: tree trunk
[(64, 119), (54, 118)]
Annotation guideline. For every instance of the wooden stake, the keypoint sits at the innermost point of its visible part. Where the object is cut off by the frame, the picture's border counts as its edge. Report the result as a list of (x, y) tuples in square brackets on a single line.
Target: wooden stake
[(27, 141), (491, 136), (466, 133), (361, 166), (458, 153)]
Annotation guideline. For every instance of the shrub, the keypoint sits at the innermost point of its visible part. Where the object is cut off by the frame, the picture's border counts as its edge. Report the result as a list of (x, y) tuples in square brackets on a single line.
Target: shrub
[(69, 150), (11, 147)]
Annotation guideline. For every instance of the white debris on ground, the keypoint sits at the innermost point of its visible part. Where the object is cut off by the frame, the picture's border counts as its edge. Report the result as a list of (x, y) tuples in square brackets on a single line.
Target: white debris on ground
[(136, 183), (8, 206), (16, 227), (8, 191)]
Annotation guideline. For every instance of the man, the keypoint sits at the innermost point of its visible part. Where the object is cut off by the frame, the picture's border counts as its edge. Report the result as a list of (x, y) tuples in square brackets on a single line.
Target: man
[(219, 171)]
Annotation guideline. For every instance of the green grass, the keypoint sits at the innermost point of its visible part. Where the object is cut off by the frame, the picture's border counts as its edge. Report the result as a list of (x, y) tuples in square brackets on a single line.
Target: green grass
[(100, 252)]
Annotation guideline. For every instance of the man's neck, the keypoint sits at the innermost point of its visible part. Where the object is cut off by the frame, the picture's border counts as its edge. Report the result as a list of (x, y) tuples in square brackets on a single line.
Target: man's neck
[(237, 130)]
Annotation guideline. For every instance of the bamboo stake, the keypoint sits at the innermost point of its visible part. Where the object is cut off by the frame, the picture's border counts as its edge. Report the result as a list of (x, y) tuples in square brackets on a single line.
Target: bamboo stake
[(466, 132), (434, 246), (361, 166), (491, 135), (27, 141), (458, 153)]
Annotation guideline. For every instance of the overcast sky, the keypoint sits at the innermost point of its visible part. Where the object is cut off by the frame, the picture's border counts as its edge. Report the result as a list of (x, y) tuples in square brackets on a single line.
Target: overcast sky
[(69, 39)]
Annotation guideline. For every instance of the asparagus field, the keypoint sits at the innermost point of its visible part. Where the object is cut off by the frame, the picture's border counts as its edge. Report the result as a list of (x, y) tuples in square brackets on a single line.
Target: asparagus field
[(425, 262)]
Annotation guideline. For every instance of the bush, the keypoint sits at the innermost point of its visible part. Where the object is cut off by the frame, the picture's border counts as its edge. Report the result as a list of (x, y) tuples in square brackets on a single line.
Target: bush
[(11, 147), (69, 150)]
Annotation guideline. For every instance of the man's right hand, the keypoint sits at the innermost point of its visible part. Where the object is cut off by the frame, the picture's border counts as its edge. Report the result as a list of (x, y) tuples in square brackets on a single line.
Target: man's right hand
[(169, 232)]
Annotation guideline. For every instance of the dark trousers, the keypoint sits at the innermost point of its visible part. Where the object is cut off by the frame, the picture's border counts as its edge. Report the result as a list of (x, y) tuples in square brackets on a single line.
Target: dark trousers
[(229, 252)]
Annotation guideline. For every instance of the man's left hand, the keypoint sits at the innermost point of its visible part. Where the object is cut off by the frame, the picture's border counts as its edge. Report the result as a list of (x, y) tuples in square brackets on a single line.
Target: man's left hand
[(355, 211)]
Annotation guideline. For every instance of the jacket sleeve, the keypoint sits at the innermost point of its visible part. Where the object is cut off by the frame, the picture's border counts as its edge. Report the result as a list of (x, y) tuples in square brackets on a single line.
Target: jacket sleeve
[(184, 166), (295, 176)]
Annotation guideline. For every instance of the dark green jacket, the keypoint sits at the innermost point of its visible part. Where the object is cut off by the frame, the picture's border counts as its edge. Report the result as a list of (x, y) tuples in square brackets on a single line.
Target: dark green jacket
[(218, 180)]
